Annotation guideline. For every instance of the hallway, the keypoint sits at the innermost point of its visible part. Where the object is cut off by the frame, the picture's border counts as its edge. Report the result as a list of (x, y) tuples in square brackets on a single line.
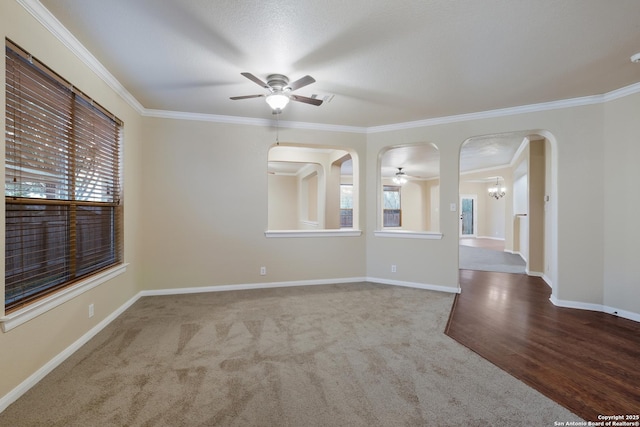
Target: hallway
[(587, 361)]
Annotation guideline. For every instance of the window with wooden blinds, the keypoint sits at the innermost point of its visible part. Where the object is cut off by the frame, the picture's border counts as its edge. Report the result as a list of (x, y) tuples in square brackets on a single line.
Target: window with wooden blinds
[(62, 183)]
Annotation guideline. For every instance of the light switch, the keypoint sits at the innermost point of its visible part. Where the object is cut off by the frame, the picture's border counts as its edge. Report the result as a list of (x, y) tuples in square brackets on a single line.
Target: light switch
[(453, 207)]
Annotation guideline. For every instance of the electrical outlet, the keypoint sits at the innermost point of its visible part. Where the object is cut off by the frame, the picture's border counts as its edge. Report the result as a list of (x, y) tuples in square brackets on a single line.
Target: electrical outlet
[(263, 271), (90, 310), (393, 268)]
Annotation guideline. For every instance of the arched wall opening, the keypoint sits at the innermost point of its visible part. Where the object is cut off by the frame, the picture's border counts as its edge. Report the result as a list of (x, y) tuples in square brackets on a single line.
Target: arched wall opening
[(312, 187), (525, 217), (409, 188)]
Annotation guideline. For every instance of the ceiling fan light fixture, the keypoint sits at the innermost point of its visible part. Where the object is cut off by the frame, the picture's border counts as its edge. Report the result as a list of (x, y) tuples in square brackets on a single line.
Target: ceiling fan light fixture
[(277, 101), (400, 178)]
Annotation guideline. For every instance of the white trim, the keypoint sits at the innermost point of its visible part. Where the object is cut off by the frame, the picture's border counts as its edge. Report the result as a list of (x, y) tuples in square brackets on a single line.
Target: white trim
[(405, 234), (250, 121), (622, 313), (344, 232), (288, 284), (313, 224), (487, 237), (595, 307), (622, 92), (250, 286), (519, 151), (547, 279), (575, 304), (482, 170), (55, 27), (534, 273), (39, 307), (425, 286), (502, 112), (201, 117), (38, 375), (51, 23), (509, 251)]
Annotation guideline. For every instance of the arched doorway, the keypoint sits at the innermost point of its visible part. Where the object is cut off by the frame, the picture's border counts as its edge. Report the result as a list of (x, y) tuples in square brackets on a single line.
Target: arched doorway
[(513, 178)]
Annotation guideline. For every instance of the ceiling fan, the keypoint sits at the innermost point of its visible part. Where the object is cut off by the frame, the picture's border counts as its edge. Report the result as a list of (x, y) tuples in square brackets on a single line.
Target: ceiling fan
[(400, 177), (280, 91)]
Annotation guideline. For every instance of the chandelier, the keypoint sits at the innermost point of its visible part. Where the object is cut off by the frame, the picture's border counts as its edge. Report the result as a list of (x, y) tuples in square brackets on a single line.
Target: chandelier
[(496, 191)]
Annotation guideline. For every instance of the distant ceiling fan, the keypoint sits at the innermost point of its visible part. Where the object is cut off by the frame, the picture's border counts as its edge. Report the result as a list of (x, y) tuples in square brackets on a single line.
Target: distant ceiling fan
[(280, 91), (400, 177)]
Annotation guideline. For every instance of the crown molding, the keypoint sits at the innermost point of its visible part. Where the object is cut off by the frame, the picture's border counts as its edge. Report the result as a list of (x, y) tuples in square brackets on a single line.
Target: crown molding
[(250, 121), (622, 92), (545, 106), (51, 23), (485, 170), (55, 27)]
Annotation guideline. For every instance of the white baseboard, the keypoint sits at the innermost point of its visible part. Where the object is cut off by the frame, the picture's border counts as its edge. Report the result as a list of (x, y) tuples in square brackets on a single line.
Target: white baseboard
[(595, 307), (267, 285), (534, 273), (622, 313), (24, 386), (245, 286), (489, 237), (426, 286)]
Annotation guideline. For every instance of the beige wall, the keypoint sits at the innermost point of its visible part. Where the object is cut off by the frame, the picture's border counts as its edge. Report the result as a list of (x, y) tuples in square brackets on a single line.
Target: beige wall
[(283, 202), (181, 230), (620, 202), (576, 139), (28, 347), (195, 239), (536, 214)]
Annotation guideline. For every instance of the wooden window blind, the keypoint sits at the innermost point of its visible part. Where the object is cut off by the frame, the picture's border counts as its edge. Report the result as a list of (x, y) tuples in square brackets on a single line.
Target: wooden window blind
[(62, 183)]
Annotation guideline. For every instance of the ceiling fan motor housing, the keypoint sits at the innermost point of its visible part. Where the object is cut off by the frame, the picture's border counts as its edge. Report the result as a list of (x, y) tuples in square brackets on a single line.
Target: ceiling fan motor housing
[(277, 82)]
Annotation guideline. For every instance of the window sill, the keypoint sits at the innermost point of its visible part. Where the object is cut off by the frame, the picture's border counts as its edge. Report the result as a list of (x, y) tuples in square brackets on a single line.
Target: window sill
[(347, 232), (39, 307), (429, 235)]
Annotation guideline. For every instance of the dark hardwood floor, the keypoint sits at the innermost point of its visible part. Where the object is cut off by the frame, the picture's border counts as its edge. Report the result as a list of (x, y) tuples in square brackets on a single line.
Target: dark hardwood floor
[(587, 361)]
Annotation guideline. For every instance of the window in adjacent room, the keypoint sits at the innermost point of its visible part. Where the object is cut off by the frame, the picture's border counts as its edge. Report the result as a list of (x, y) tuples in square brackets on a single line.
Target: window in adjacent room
[(392, 211), (62, 183), (346, 205)]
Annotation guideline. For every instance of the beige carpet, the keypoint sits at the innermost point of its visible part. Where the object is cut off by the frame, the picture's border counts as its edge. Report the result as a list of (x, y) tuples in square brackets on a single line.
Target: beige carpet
[(337, 355)]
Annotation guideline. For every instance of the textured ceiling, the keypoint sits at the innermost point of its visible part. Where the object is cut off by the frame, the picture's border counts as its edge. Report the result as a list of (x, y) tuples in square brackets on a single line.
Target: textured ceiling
[(385, 62)]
